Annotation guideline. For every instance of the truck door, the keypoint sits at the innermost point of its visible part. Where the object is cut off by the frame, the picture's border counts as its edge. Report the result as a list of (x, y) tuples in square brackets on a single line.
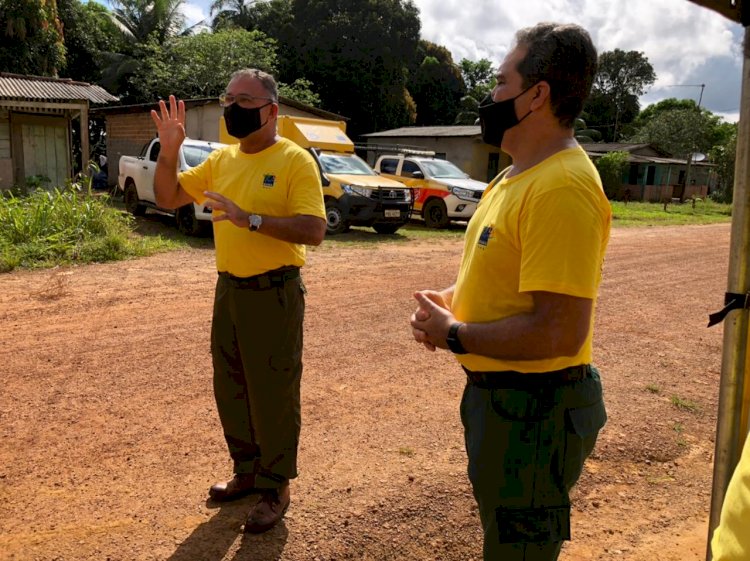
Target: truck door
[(145, 183)]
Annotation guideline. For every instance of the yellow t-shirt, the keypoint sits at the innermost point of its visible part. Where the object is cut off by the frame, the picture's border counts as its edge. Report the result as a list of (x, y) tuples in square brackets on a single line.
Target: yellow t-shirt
[(731, 539), (545, 229), (282, 180)]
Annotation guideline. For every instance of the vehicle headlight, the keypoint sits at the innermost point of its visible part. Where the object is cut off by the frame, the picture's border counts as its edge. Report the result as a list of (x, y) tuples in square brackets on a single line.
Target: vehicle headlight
[(462, 193), (407, 195), (357, 190)]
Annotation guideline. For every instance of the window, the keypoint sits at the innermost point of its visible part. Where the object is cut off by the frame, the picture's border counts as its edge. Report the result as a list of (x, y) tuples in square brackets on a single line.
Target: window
[(408, 169), (155, 151), (388, 165)]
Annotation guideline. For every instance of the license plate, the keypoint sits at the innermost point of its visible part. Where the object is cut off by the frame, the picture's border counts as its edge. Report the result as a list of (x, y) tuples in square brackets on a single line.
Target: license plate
[(392, 213)]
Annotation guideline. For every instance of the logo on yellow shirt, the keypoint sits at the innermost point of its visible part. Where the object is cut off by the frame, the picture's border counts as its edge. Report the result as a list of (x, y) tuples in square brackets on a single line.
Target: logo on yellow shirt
[(486, 235), (269, 180)]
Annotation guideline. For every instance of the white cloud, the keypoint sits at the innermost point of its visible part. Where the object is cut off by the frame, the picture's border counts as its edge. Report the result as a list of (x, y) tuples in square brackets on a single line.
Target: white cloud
[(194, 13), (682, 41)]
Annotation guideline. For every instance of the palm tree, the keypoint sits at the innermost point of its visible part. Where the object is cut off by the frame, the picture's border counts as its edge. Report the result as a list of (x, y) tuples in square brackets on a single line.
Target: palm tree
[(139, 19), (233, 13)]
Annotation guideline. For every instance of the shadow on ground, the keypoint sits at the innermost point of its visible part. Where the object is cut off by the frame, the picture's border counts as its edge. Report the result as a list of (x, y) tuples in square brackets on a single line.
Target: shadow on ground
[(221, 537)]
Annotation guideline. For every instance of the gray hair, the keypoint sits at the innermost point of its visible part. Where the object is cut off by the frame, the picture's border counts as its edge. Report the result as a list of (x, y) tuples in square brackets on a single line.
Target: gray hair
[(268, 82)]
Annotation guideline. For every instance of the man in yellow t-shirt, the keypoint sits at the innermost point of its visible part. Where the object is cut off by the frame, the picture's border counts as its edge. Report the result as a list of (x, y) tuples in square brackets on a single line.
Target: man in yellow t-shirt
[(731, 539), (520, 316), (267, 204)]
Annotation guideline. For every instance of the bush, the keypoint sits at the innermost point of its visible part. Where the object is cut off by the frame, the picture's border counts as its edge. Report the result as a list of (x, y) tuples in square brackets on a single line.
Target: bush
[(611, 166), (63, 225)]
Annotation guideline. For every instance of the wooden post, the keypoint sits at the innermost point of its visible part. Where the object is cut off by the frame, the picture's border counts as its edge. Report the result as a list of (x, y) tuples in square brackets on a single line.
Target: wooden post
[(85, 150), (734, 389)]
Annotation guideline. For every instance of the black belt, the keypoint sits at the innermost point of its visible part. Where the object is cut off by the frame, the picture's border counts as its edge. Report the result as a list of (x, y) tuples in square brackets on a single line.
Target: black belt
[(510, 379), (264, 281)]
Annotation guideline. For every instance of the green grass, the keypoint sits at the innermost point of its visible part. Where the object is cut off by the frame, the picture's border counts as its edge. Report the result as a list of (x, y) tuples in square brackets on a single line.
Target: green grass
[(684, 404), (68, 225), (653, 214)]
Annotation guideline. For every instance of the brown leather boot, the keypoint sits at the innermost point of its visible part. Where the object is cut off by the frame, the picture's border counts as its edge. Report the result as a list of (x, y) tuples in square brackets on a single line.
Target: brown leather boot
[(240, 485), (269, 510)]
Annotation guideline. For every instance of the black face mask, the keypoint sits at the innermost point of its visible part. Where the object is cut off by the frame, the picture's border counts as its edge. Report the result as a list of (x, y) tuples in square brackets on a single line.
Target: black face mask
[(242, 122), (497, 117)]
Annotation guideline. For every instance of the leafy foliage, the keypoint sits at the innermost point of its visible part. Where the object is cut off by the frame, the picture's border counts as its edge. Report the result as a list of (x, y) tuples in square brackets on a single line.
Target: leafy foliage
[(357, 53), (620, 79), (611, 167), (724, 155), (199, 65), (436, 86), (140, 20), (32, 37), (88, 32), (479, 80)]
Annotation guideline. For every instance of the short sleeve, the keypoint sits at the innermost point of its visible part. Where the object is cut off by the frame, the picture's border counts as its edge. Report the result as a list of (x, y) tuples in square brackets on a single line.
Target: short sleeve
[(306, 191), (562, 234), (199, 179)]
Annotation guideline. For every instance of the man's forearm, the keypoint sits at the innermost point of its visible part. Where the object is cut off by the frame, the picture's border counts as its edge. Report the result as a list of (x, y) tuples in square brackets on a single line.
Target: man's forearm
[(303, 229), (166, 184)]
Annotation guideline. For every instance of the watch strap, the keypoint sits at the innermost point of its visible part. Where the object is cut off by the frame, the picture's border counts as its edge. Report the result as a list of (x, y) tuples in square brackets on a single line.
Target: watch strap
[(454, 343)]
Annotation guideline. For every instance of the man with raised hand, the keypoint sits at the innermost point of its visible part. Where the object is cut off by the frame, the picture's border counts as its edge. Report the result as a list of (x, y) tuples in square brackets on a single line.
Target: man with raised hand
[(267, 204), (520, 317)]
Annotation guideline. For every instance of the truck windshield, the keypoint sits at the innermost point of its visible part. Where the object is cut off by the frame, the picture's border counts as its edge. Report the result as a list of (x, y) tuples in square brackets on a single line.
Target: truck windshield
[(195, 155), (443, 169), (344, 164)]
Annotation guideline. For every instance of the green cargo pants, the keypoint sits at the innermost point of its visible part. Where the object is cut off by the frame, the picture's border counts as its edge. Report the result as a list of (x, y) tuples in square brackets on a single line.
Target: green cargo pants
[(256, 344), (526, 446)]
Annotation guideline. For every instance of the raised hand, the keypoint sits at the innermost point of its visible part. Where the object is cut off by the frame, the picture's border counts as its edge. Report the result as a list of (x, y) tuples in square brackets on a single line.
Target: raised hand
[(170, 125)]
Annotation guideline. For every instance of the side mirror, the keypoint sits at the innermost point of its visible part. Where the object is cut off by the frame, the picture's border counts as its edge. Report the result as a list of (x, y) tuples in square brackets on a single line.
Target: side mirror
[(417, 174)]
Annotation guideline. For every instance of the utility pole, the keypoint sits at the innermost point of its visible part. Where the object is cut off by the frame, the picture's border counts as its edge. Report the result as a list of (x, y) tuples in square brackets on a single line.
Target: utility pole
[(692, 144)]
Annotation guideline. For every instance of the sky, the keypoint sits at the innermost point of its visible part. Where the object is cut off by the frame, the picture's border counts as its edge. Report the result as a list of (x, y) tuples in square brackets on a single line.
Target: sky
[(686, 44)]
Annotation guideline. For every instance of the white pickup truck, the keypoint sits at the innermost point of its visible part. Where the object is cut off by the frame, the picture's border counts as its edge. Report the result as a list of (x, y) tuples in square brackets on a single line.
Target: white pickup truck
[(442, 192), (136, 179)]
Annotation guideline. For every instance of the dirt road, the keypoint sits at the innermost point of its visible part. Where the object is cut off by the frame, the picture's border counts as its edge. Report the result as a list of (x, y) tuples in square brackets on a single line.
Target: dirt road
[(110, 438)]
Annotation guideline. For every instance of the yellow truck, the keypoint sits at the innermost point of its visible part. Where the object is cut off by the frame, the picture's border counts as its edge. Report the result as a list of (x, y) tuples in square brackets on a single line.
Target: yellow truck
[(354, 194)]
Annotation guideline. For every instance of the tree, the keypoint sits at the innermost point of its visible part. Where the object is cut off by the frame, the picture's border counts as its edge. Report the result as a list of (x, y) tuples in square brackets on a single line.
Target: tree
[(680, 128), (611, 167), (478, 76), (357, 53), (724, 156), (479, 80), (88, 32), (621, 78), (32, 37), (141, 19), (233, 13), (436, 86), (199, 65)]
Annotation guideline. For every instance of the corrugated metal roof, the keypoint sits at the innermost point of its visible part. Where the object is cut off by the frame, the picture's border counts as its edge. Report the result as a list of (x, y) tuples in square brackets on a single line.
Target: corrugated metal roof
[(455, 130), (39, 88)]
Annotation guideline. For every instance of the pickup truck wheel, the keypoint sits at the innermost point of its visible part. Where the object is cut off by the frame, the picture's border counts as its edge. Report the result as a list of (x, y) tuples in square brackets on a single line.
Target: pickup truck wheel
[(187, 223), (435, 214), (132, 202), (335, 221), (386, 228)]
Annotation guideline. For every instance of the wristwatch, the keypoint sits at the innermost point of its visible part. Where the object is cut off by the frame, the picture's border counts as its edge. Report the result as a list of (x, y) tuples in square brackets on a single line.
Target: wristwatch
[(255, 221), (454, 343)]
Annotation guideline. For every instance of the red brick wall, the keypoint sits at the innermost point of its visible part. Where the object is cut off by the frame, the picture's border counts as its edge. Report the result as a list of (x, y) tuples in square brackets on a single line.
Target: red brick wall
[(126, 135)]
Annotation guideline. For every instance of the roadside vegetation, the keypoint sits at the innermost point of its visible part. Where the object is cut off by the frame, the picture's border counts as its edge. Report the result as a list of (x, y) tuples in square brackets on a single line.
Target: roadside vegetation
[(672, 214), (73, 225), (67, 226)]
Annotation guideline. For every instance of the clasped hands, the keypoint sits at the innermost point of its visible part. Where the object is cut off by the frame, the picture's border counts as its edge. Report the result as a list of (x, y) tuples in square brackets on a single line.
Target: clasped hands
[(431, 320)]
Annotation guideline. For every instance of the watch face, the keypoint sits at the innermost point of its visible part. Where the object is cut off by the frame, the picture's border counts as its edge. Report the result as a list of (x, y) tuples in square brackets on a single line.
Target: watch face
[(255, 221)]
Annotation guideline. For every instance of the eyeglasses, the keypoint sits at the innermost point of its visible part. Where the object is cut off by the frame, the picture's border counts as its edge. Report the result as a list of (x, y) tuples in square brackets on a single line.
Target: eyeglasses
[(244, 101)]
